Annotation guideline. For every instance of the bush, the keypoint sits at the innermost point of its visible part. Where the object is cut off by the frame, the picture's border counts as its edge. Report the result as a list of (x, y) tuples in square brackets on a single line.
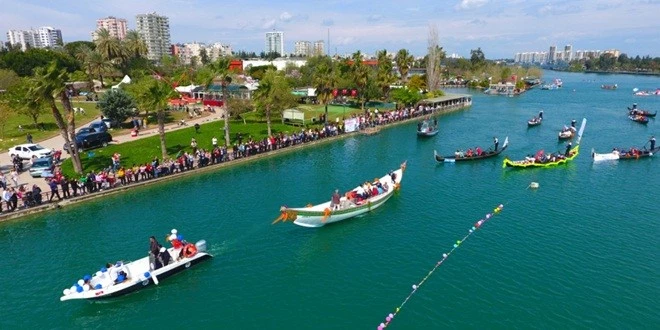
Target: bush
[(117, 105)]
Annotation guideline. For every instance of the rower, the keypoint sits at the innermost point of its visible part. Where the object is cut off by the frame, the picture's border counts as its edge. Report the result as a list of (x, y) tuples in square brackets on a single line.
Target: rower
[(541, 114), (496, 142), (568, 149), (652, 141)]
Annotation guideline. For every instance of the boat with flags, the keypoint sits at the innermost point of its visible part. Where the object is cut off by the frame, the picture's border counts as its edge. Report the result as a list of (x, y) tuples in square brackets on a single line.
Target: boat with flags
[(362, 199), (541, 159), (427, 127), (477, 154), (114, 280)]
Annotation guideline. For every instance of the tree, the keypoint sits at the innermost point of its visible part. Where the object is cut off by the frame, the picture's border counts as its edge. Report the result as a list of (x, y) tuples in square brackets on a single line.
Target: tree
[(8, 78), (416, 83), (73, 48), (154, 94), (97, 65), (117, 105), (204, 56), (5, 113), (239, 107), (384, 77), (220, 69), (404, 62), (406, 96), (273, 95), (107, 45), (361, 76), (24, 63), (324, 81), (19, 97), (47, 84), (477, 58), (433, 60), (134, 45)]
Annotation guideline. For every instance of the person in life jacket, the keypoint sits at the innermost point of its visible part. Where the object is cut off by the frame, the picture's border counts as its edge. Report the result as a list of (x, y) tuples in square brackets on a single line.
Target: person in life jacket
[(175, 240)]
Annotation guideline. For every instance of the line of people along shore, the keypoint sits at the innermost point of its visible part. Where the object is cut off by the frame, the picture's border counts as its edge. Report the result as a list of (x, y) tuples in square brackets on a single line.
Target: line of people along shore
[(16, 196)]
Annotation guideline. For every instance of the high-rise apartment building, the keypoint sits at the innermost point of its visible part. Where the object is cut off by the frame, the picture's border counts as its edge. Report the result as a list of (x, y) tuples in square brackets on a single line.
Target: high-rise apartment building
[(568, 53), (43, 37), (116, 26), (275, 42), (302, 48), (552, 54), (319, 48), (155, 30)]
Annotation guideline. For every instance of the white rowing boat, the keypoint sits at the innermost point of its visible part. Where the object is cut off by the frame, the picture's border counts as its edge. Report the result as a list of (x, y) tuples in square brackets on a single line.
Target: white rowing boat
[(322, 214), (111, 282)]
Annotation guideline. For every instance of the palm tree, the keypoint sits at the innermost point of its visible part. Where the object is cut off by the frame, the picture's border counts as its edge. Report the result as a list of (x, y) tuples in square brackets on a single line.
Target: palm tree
[(403, 61), (107, 45), (360, 74), (134, 44), (47, 84), (220, 69), (154, 95), (98, 65), (324, 82), (273, 95), (384, 77)]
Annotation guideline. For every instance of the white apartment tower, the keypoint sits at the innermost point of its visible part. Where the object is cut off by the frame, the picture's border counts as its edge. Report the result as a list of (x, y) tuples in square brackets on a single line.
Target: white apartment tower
[(155, 30), (552, 54), (116, 26), (43, 37), (568, 53), (275, 42), (319, 48), (302, 48)]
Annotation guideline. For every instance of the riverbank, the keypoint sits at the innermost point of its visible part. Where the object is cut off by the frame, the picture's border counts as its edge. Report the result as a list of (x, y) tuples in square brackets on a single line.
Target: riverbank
[(446, 104)]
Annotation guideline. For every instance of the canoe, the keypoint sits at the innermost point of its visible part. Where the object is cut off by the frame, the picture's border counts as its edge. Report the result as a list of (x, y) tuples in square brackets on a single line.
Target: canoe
[(559, 159), (322, 214), (139, 274), (427, 129), (566, 135), (639, 119), (534, 122), (615, 155), (615, 86), (486, 154)]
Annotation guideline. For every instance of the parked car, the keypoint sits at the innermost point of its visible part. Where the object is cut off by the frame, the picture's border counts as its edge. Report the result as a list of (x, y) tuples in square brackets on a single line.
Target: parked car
[(99, 126), (29, 151), (90, 140), (41, 166)]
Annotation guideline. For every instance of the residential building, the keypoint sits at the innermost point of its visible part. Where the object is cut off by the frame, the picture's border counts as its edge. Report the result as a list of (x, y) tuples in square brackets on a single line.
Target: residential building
[(319, 48), (187, 51), (217, 49), (43, 37), (552, 54), (275, 42), (302, 48), (155, 30), (568, 53), (116, 26), (614, 52)]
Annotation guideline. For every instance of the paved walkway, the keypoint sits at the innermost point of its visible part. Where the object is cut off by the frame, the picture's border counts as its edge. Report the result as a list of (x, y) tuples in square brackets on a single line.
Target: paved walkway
[(57, 143)]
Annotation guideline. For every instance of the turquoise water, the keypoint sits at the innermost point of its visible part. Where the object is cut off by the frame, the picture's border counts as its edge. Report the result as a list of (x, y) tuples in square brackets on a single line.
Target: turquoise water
[(579, 252)]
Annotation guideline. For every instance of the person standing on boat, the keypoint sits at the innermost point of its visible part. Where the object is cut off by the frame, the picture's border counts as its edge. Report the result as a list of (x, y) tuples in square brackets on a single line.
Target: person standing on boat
[(496, 142), (335, 201), (568, 149), (652, 141), (573, 125), (541, 115), (163, 258)]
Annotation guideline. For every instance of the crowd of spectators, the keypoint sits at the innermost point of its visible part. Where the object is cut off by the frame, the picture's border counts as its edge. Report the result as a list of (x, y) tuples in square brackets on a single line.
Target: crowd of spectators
[(17, 196)]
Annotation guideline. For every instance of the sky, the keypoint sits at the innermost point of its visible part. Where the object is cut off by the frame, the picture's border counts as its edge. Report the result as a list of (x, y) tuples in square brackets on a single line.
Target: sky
[(499, 27)]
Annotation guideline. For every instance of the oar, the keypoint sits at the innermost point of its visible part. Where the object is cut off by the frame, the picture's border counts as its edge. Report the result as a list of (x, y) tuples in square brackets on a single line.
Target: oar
[(154, 277)]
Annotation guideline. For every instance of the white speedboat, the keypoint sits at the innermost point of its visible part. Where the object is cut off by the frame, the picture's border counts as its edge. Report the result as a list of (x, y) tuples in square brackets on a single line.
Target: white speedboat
[(123, 278), (323, 214), (614, 155)]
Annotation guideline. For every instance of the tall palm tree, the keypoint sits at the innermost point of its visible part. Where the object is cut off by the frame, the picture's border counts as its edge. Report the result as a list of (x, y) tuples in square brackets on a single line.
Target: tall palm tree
[(98, 65), (384, 76), (107, 45), (324, 82), (360, 73), (273, 95), (404, 61), (220, 69), (47, 84), (154, 95), (134, 44)]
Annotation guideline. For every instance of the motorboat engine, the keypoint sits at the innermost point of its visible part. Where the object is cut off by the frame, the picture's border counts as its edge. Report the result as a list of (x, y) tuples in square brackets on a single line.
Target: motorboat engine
[(201, 246)]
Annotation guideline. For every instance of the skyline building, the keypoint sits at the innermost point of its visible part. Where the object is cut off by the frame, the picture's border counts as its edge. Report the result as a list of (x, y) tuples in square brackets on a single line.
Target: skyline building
[(302, 48), (116, 26), (274, 42), (568, 53), (43, 37), (318, 48), (155, 30)]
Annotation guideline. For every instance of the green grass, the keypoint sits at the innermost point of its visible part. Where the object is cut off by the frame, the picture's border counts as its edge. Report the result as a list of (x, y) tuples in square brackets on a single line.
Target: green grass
[(13, 136), (144, 150)]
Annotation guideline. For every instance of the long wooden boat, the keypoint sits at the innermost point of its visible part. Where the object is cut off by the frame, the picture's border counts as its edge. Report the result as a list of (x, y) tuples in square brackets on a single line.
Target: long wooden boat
[(624, 155), (635, 112), (322, 214), (615, 86), (639, 119), (428, 128), (558, 159), (534, 122), (486, 154)]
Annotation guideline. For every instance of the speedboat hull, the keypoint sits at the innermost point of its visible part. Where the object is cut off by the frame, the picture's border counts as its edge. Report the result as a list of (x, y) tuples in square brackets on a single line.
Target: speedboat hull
[(139, 276)]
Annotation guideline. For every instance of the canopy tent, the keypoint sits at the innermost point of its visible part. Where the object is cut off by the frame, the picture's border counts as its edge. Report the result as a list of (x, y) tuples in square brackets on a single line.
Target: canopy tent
[(188, 89), (293, 116), (125, 80)]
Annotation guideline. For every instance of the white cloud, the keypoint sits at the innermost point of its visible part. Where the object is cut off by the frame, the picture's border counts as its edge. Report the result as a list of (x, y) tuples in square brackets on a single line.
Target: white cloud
[(285, 16), (269, 24), (470, 4)]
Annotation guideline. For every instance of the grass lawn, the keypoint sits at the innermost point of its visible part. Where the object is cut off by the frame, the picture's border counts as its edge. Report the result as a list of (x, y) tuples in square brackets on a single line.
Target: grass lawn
[(144, 150), (13, 136)]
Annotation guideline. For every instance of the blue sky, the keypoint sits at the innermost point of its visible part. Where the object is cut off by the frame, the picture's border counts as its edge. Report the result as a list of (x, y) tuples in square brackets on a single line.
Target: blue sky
[(499, 27)]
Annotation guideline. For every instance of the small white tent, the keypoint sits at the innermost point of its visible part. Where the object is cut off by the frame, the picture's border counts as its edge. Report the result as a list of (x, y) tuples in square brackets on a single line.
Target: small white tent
[(125, 80), (293, 116)]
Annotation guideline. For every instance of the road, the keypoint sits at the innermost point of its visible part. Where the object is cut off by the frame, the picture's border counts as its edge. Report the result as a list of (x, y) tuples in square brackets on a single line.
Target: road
[(57, 143)]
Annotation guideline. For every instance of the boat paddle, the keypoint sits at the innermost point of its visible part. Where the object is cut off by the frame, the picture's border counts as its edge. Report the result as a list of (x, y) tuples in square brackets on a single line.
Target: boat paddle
[(155, 278)]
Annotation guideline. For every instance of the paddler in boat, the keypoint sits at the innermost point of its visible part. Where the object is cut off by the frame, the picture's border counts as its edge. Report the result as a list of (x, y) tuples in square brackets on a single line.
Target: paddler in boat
[(496, 142), (335, 200), (540, 114), (652, 141)]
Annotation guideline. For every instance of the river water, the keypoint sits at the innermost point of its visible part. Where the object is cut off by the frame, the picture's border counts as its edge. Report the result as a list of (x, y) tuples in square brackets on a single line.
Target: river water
[(579, 252)]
